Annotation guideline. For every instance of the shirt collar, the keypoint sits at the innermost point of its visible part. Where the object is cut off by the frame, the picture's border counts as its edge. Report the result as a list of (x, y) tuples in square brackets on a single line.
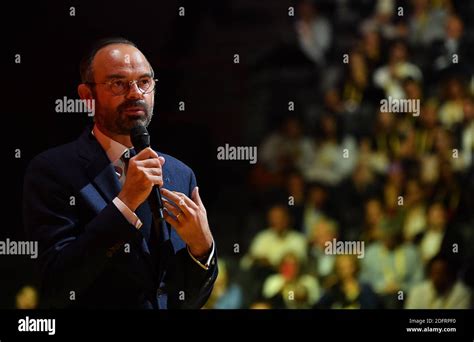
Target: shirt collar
[(112, 148)]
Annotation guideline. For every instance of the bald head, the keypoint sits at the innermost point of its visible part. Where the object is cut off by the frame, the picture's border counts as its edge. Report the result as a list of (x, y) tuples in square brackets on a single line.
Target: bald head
[(118, 49), (119, 60), (119, 78)]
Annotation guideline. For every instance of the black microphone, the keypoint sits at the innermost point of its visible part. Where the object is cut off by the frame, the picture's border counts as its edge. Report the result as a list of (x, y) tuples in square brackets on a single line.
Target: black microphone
[(141, 140)]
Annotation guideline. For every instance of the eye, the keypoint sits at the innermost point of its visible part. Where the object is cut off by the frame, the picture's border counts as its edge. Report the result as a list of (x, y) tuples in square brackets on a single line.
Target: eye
[(118, 84), (144, 82)]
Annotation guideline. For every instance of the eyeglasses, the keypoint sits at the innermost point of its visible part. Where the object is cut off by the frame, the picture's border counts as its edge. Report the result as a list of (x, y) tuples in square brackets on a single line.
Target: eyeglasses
[(145, 85)]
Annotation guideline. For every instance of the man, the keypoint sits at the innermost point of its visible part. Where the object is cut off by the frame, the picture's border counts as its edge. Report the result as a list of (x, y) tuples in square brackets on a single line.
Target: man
[(86, 203)]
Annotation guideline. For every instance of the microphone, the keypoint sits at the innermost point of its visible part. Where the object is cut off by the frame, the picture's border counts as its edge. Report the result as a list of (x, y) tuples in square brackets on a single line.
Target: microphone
[(141, 140)]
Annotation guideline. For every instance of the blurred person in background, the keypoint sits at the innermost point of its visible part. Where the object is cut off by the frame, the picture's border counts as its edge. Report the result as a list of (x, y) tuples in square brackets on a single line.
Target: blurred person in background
[(391, 265), (270, 245), (267, 249), (315, 207), (226, 294), (385, 139), (423, 24), (290, 288), (351, 196), (454, 42), (358, 95), (393, 187), (328, 164), (447, 189), (313, 31), (414, 210), (383, 21), (376, 161), (348, 292), (389, 77), (371, 47), (413, 91), (320, 264), (356, 84), (374, 214), (295, 188), (283, 150), (426, 128), (451, 111), (432, 238), (442, 289)]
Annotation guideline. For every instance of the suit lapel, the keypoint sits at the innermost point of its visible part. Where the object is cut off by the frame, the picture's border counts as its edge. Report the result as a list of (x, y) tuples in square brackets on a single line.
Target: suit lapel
[(98, 167)]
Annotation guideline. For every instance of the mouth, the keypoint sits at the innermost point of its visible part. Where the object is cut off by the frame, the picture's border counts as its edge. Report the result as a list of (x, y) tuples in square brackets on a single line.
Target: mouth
[(134, 111)]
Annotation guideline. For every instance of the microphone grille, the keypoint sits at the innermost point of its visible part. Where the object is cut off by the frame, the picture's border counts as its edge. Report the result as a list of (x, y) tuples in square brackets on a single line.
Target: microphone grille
[(139, 137)]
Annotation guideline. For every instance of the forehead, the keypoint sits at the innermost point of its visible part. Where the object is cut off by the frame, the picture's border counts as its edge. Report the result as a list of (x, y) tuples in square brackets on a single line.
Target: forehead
[(119, 59)]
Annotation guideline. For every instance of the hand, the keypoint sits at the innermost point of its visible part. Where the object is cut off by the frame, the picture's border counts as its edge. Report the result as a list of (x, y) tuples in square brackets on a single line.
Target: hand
[(143, 172), (189, 218)]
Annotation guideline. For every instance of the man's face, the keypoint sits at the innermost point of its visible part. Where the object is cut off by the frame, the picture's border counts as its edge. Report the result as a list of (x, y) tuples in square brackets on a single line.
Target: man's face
[(118, 114), (278, 219)]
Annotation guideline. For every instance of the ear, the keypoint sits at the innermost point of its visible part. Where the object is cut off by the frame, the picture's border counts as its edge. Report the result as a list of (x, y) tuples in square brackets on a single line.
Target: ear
[(84, 92)]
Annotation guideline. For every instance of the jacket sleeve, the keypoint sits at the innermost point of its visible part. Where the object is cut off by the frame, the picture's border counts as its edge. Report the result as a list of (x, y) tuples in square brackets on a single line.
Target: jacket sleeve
[(71, 256), (189, 285)]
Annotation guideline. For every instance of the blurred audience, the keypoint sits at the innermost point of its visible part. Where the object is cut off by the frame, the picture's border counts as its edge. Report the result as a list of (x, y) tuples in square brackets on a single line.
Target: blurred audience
[(389, 77), (313, 31), (320, 264), (401, 182), (391, 265), (348, 292), (225, 294), (442, 289), (290, 288), (335, 154), (271, 244)]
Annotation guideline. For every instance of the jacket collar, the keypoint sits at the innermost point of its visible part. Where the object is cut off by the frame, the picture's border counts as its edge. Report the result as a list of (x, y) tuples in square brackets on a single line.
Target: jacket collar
[(99, 169)]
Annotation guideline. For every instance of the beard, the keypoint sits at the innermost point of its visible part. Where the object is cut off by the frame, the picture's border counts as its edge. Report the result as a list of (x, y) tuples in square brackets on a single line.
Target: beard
[(118, 122)]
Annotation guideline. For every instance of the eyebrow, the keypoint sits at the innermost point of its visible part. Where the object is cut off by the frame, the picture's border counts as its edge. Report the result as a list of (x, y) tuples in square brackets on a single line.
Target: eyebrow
[(148, 74)]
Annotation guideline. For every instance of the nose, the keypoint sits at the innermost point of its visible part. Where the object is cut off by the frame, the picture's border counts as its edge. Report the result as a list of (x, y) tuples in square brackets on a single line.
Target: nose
[(133, 91)]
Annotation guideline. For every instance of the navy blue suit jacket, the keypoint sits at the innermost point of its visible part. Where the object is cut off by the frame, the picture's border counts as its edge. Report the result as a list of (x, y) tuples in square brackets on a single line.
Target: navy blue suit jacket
[(89, 254)]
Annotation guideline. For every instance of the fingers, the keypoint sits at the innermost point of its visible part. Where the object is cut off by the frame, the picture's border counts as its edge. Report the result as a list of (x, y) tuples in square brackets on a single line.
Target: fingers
[(170, 218), (146, 153), (156, 180), (151, 171), (196, 198), (181, 200), (171, 207), (151, 165), (152, 162)]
